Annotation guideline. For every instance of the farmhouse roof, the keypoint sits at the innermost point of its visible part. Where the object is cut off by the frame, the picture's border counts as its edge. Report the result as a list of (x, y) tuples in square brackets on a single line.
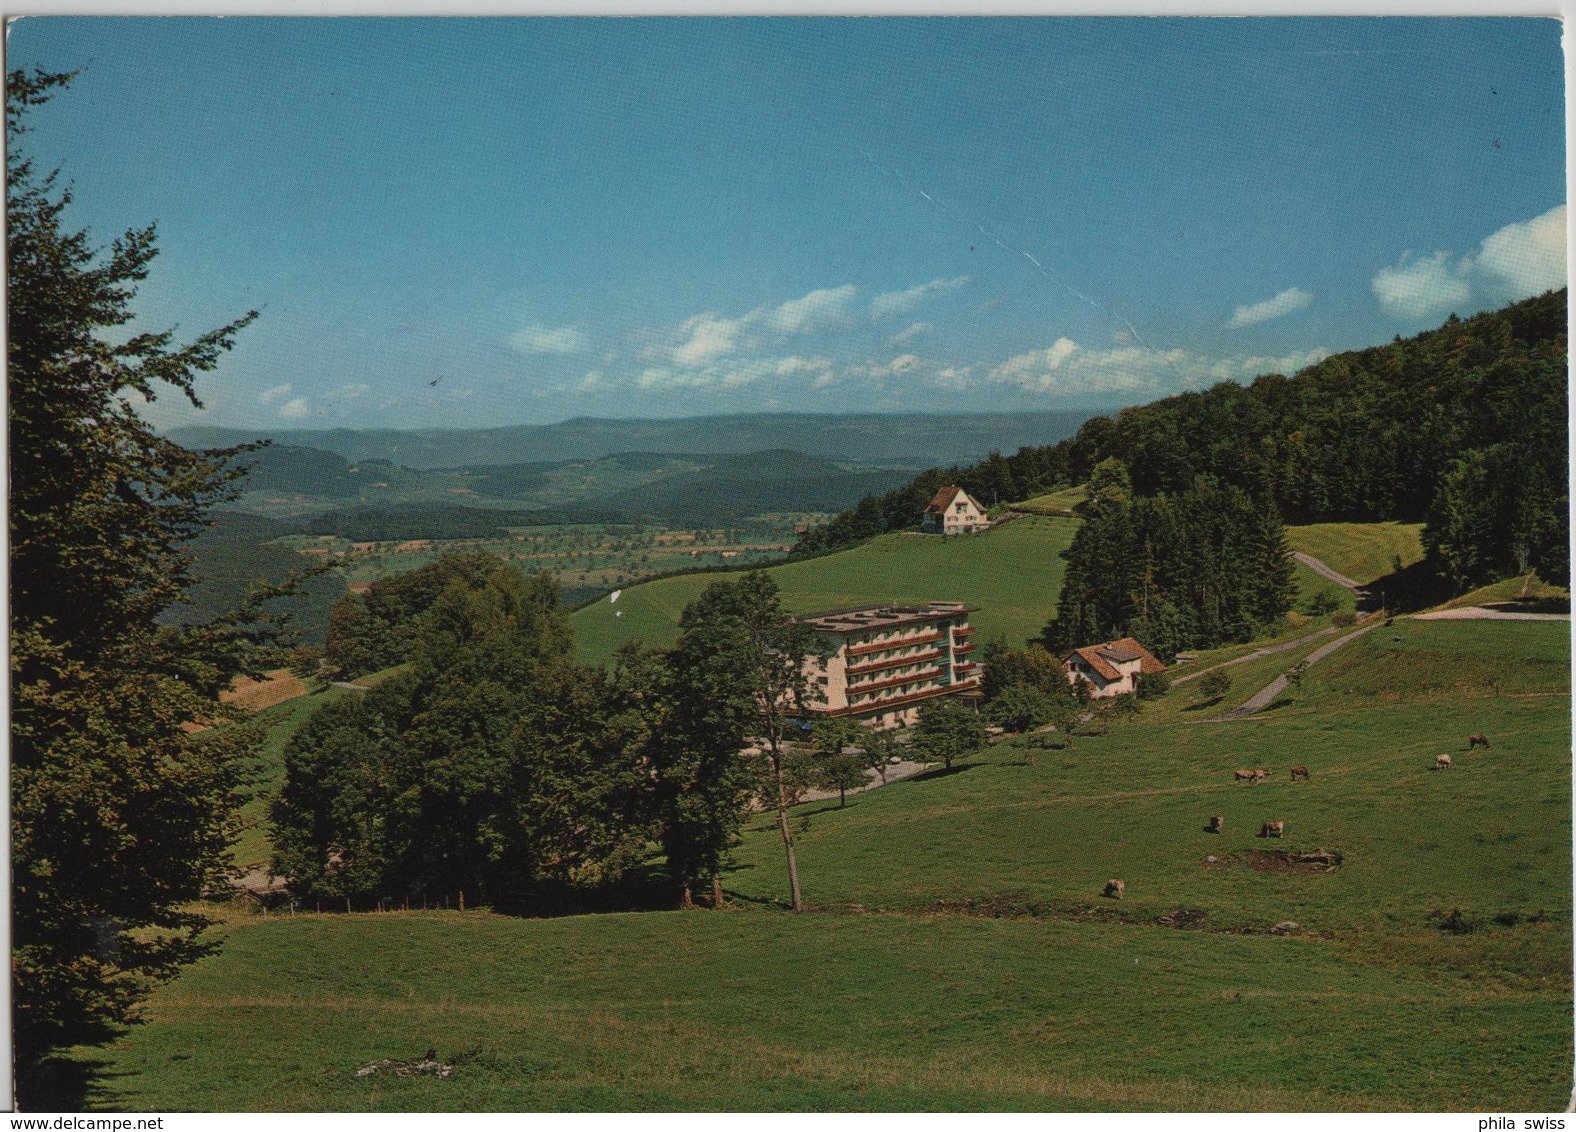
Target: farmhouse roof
[(1104, 658), (944, 498)]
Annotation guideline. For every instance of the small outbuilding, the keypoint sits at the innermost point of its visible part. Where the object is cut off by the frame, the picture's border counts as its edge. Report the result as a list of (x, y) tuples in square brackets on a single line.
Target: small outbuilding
[(953, 512), (1111, 669)]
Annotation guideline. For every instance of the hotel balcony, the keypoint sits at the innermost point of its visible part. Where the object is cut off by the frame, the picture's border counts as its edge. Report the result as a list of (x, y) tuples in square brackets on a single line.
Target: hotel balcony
[(895, 662), (896, 643)]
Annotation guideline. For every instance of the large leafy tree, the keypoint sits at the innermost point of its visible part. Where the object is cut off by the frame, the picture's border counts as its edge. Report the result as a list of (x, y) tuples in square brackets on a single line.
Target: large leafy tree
[(119, 817), (755, 657), (494, 767)]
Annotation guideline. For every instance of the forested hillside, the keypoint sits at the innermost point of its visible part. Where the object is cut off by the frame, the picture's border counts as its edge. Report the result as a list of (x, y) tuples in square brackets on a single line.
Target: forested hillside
[(1462, 427)]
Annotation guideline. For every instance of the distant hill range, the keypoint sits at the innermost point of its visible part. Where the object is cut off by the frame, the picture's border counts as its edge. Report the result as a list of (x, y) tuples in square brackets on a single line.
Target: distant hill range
[(684, 489), (911, 439)]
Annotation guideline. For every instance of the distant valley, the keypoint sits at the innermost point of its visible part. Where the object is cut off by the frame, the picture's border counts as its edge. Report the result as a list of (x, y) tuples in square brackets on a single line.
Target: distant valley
[(910, 439)]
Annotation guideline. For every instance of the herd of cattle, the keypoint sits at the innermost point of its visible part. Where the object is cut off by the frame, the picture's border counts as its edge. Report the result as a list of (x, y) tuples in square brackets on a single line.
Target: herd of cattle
[(1115, 888)]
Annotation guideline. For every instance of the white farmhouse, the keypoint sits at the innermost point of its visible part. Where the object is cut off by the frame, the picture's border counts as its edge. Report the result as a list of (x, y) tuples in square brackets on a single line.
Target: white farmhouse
[(953, 512)]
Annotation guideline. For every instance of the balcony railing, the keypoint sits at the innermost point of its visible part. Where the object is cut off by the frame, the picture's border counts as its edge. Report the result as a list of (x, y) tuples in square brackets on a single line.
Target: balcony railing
[(927, 674), (962, 630), (884, 703), (878, 665), (897, 643)]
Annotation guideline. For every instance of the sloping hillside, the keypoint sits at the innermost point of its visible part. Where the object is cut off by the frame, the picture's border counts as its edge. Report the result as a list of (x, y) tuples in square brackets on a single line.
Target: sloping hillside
[(1429, 969), (1013, 573)]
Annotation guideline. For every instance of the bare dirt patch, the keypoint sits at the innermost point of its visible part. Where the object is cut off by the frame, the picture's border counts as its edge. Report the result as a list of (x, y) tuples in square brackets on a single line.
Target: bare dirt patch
[(1183, 918), (274, 688), (1279, 861)]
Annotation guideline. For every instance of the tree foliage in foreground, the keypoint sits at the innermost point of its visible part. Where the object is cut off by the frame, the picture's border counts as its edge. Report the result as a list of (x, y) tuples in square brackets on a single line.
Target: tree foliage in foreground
[(119, 817), (495, 766)]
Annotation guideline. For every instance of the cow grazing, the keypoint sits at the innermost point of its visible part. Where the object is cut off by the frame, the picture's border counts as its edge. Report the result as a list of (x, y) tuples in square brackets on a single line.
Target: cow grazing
[(1299, 772), (1442, 762), (1476, 741), (1273, 829), (1260, 775), (1247, 776), (1217, 824), (1114, 889)]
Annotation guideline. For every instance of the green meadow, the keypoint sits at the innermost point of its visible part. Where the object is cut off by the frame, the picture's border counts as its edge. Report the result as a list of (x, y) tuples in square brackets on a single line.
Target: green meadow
[(1364, 552), (1013, 573), (958, 954)]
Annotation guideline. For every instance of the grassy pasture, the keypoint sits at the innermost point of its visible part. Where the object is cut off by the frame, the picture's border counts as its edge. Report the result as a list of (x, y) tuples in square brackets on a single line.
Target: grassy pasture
[(1041, 995), (1054, 503), (1528, 589), (1013, 573), (749, 1011), (254, 846), (1364, 552), (1490, 837)]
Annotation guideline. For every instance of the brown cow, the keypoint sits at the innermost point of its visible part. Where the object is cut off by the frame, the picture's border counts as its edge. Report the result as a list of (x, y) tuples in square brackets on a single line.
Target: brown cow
[(1476, 741), (1260, 775), (1273, 829), (1114, 889), (1247, 776), (1217, 824), (1442, 762), (1299, 772)]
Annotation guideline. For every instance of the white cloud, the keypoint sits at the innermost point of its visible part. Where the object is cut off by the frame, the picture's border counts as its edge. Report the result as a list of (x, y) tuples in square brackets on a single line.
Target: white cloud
[(1516, 262), (548, 340), (350, 392), (269, 396), (1526, 259), (901, 302), (294, 409), (1068, 369), (708, 336), (902, 364), (955, 377), (911, 333), (1292, 298), (1424, 287), (818, 309)]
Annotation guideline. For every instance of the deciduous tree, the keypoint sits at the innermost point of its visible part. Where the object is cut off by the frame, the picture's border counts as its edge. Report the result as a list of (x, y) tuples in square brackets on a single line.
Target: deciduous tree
[(119, 817)]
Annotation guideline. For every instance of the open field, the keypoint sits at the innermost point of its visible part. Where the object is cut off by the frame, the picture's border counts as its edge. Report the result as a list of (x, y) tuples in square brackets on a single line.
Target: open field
[(752, 1010), (1013, 573), (1055, 503), (1431, 968), (1364, 552), (254, 846), (1530, 590)]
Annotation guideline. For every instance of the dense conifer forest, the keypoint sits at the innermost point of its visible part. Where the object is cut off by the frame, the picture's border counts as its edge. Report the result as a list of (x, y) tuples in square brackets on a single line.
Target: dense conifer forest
[(1462, 427)]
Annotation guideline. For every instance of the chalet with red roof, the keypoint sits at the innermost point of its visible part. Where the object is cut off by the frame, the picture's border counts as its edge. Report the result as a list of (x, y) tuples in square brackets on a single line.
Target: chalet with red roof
[(1111, 669), (953, 512)]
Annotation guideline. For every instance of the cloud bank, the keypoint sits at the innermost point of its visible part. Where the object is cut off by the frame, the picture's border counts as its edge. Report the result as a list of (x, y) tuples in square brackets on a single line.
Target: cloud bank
[(1516, 262)]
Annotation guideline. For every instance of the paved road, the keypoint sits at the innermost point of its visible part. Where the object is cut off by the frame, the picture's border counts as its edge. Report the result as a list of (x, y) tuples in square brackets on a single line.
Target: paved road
[(1479, 613), (1267, 650), (1266, 695), (1324, 571), (895, 773)]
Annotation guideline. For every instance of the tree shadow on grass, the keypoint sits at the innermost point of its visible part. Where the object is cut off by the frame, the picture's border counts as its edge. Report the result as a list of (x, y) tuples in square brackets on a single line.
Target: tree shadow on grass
[(942, 772), (1275, 705), (1531, 605), (66, 1083), (1204, 705)]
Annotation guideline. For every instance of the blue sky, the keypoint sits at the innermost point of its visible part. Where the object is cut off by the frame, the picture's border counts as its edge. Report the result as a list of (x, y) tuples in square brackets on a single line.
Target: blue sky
[(667, 217)]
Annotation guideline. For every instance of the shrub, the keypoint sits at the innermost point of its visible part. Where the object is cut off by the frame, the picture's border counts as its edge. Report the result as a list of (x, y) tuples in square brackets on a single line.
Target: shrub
[(1214, 685), (1153, 686), (1325, 601), (1344, 619)]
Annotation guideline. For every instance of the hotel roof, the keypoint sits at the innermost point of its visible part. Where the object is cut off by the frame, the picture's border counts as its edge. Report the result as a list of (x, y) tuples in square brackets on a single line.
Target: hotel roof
[(881, 616)]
